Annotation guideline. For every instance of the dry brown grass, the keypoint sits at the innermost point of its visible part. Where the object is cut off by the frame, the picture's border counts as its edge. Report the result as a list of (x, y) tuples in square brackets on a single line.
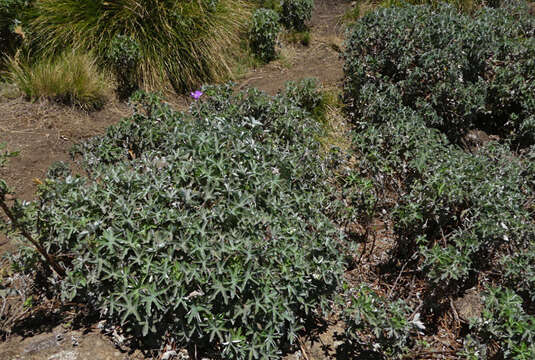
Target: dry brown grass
[(287, 56), (72, 79)]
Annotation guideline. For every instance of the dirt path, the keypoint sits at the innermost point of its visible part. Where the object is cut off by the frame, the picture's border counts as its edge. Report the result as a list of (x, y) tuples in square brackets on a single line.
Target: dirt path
[(44, 133)]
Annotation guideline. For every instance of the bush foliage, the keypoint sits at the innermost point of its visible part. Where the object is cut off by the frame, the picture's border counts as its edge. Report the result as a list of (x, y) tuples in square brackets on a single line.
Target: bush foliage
[(387, 321), (467, 6), (476, 201), (503, 320), (457, 72), (263, 33), (307, 94), (124, 56), (206, 226), (296, 13), (418, 80)]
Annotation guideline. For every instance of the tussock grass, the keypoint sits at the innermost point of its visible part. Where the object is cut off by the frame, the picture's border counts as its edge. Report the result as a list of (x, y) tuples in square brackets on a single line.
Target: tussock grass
[(71, 78), (287, 56), (183, 43)]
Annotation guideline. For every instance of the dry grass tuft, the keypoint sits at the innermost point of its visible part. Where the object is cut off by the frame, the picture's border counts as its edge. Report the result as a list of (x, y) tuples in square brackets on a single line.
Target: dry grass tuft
[(287, 56), (72, 79)]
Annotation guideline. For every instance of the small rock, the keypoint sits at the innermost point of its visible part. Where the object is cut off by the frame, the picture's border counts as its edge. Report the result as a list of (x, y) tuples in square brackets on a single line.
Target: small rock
[(64, 355), (45, 344), (469, 306), (169, 354), (475, 139), (119, 339), (74, 340), (183, 355)]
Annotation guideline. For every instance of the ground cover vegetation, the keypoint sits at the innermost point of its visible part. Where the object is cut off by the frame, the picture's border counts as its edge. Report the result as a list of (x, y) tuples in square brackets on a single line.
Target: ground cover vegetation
[(420, 81), (363, 7), (467, 6), (462, 75), (208, 227)]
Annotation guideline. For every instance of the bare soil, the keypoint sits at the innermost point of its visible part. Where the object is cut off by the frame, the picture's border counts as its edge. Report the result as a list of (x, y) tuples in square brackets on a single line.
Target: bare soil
[(43, 133), (62, 344)]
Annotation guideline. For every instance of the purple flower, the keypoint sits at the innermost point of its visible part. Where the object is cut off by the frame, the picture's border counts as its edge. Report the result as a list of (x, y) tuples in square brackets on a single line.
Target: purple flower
[(196, 94)]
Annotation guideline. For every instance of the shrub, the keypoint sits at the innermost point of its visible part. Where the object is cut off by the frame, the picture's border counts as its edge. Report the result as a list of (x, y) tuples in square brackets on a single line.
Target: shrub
[(307, 94), (444, 193), (467, 6), (72, 79), (456, 71), (182, 43), (457, 215), (295, 13), (206, 226), (519, 273), (263, 33), (504, 320), (389, 322), (124, 56)]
